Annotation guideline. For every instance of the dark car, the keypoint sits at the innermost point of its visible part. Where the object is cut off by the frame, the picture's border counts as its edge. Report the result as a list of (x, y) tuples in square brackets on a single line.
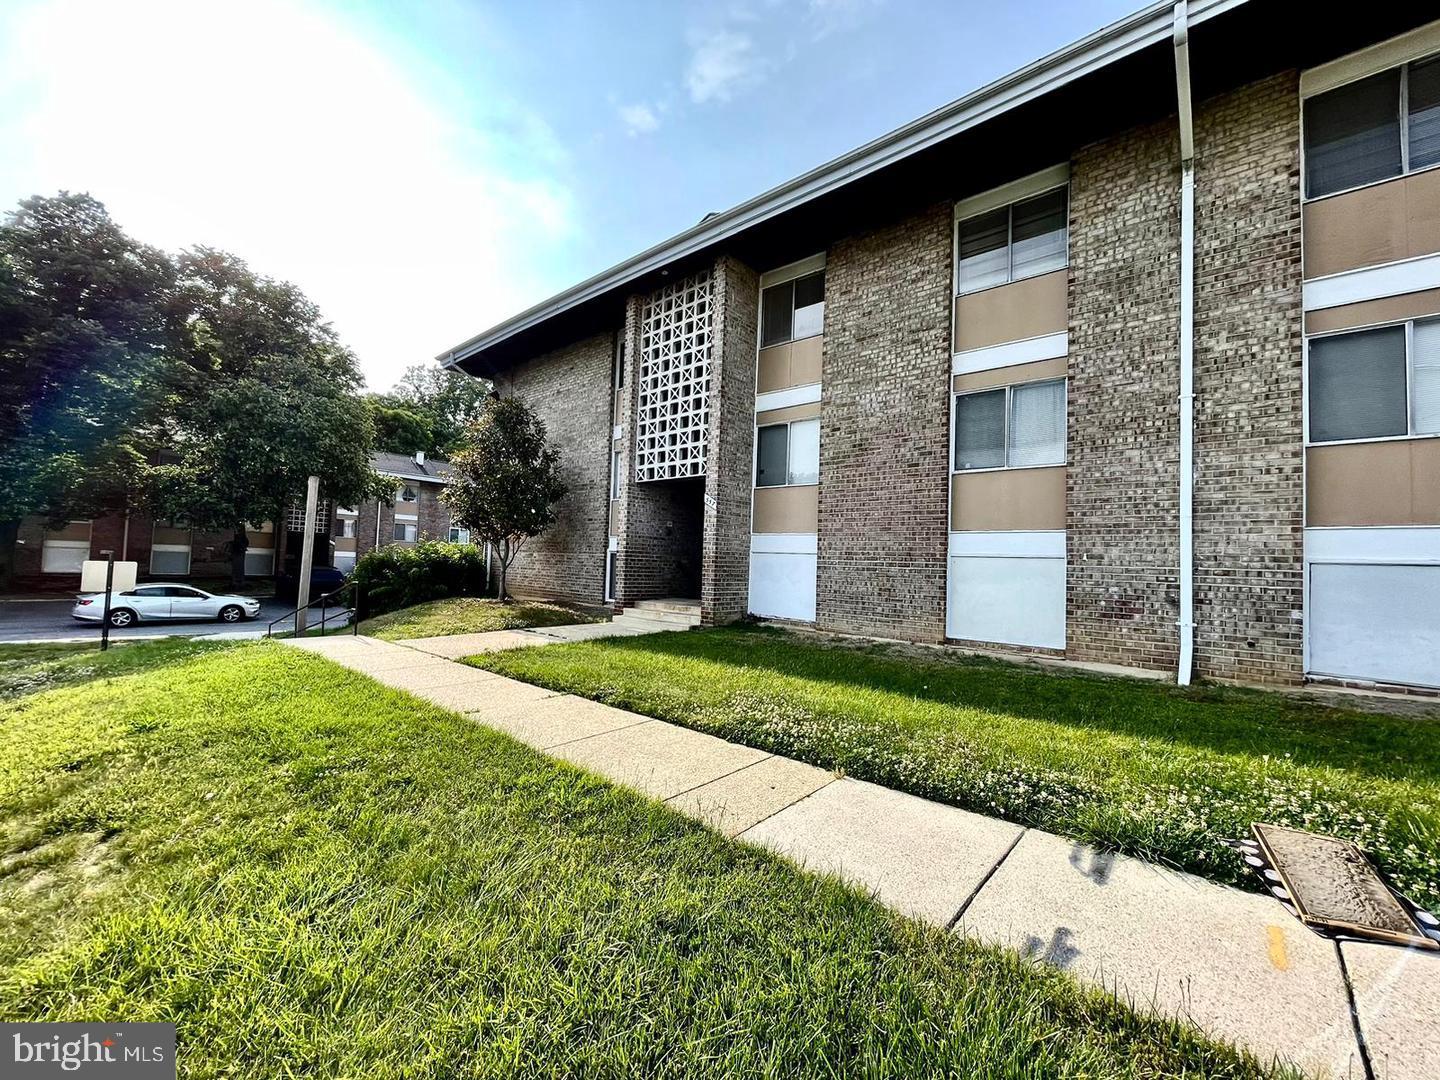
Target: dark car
[(323, 579)]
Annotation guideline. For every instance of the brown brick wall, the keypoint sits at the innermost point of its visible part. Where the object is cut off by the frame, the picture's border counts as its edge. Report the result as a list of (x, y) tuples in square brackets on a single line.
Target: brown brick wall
[(569, 389), (884, 430), (1249, 483), (1122, 484), (728, 466)]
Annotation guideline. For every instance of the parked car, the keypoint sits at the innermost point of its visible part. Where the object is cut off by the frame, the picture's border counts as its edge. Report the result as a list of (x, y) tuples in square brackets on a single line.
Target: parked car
[(164, 602), (323, 579)]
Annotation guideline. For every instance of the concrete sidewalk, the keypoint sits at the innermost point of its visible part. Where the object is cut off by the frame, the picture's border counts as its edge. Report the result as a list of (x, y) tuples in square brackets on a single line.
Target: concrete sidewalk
[(1235, 963)]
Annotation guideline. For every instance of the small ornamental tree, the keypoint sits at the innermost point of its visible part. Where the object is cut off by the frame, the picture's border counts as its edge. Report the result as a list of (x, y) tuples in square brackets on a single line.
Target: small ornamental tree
[(506, 481)]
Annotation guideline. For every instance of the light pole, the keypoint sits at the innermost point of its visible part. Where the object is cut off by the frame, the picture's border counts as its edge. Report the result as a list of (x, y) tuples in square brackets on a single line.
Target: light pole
[(307, 553)]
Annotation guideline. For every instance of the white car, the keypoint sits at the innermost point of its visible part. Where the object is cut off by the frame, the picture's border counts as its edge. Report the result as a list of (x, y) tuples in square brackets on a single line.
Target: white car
[(164, 602)]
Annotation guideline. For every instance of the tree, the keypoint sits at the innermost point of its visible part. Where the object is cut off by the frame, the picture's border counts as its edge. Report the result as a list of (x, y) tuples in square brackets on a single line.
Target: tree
[(399, 429), (84, 325), (506, 481), (450, 401), (267, 397)]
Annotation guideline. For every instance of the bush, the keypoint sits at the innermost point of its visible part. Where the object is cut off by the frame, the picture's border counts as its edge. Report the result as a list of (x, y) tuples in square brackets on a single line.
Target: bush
[(398, 576)]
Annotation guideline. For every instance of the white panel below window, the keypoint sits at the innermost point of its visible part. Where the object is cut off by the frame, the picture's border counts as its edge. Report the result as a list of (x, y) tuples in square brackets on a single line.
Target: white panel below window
[(1375, 622), (63, 556), (782, 582), (1008, 589), (344, 561)]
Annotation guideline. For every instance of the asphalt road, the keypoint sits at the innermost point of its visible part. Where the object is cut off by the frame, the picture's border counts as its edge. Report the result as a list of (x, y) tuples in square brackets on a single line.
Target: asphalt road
[(49, 620)]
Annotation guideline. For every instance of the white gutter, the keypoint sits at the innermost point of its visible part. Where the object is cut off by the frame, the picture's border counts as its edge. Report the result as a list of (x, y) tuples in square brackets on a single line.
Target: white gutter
[(1152, 25), (1187, 347)]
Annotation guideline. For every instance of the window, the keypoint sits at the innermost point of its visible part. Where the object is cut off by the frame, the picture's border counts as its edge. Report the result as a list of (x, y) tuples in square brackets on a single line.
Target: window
[(618, 375), (1011, 427), (459, 535), (792, 310), (64, 551), (788, 454), (1373, 129), (169, 559), (404, 532), (615, 471), (346, 530), (1375, 384), (1024, 239), (407, 494)]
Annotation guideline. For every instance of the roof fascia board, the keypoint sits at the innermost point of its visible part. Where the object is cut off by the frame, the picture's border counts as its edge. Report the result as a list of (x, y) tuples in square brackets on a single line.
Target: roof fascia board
[(1149, 26)]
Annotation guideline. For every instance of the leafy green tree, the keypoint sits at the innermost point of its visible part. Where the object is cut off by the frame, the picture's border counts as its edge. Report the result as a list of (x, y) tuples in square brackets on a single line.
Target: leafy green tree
[(450, 401), (399, 429), (84, 325), (506, 481), (267, 397)]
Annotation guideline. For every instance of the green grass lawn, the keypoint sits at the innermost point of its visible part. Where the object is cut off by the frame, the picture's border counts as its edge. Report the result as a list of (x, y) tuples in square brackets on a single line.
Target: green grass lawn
[(29, 668), (314, 875), (1136, 766), (468, 615)]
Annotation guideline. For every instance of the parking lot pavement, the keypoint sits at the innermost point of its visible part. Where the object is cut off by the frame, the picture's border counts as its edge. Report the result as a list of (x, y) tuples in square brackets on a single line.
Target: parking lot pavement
[(49, 620)]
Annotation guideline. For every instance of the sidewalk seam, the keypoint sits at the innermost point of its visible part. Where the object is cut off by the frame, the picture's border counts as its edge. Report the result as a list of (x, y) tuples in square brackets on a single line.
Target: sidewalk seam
[(1360, 1043), (985, 880), (797, 802), (722, 776)]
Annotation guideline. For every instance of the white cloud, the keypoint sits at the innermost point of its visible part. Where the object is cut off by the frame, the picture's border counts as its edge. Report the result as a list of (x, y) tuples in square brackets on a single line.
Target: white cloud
[(721, 62), (639, 119), (281, 134)]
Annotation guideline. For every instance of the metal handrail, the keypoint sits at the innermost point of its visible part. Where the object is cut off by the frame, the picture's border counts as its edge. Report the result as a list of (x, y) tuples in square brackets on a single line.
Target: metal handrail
[(323, 600)]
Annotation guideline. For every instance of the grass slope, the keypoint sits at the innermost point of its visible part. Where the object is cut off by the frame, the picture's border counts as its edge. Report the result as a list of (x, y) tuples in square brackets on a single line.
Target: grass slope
[(313, 875), (467, 615), (1141, 767), (30, 668)]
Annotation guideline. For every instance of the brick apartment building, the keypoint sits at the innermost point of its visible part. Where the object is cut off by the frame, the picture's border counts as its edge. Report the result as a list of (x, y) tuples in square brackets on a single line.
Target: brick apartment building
[(1131, 357), (49, 559)]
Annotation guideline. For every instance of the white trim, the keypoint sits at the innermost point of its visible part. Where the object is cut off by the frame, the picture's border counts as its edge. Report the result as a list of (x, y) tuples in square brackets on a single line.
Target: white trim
[(411, 476), (614, 544), (166, 547), (1025, 351), (1373, 544), (789, 272), (407, 517), (1047, 544), (1409, 46), (784, 544), (615, 433), (1148, 27), (1373, 283), (1036, 183), (783, 399)]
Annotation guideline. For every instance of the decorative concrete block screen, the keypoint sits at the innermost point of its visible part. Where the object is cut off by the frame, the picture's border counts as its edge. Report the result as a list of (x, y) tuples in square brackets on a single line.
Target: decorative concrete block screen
[(674, 381)]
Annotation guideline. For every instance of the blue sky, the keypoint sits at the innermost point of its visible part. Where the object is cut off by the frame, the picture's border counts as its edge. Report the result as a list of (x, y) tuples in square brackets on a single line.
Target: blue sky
[(424, 170)]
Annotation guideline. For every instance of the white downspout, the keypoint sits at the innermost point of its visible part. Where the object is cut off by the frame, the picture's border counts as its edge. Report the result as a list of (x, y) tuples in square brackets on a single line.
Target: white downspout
[(1187, 347)]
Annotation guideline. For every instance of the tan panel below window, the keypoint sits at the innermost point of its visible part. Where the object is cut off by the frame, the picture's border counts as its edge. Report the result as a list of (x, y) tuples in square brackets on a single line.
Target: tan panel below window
[(165, 535), (344, 543), (614, 517), (260, 539), (1369, 312), (1008, 499), (787, 509), (1382, 483), (796, 363), (1398, 219), (1015, 373), (809, 411), (1023, 309)]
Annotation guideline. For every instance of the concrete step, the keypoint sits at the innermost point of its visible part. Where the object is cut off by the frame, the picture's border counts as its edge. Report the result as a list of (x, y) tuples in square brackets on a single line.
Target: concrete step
[(632, 620), (660, 615), (684, 607)]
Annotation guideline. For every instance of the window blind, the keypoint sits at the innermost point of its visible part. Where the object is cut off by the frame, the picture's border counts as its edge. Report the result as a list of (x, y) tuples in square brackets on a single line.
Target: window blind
[(1352, 134), (984, 243), (980, 430), (804, 465), (1424, 118), (1357, 385), (1037, 424), (1038, 235), (1425, 379), (770, 457)]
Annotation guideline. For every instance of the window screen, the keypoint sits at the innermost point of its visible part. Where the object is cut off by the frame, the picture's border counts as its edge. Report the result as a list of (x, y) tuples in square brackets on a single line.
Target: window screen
[(771, 455), (804, 464), (809, 306), (777, 310), (1037, 424), (169, 562), (980, 430), (1425, 379), (1038, 235), (1357, 385), (1424, 118), (984, 249), (1352, 134), (404, 532)]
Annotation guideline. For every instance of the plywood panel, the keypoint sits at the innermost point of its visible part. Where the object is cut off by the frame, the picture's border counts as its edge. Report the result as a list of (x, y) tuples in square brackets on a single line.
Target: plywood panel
[(1384, 483), (73, 530), (1399, 219), (1015, 373), (1022, 309), (774, 371), (1008, 500), (805, 357), (787, 509)]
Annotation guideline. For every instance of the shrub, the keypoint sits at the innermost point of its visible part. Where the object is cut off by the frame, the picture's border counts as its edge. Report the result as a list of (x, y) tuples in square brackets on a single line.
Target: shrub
[(399, 576)]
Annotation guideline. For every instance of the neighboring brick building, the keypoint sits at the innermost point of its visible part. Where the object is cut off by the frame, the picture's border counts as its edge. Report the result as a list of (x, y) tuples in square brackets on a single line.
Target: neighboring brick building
[(959, 366), (49, 559)]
